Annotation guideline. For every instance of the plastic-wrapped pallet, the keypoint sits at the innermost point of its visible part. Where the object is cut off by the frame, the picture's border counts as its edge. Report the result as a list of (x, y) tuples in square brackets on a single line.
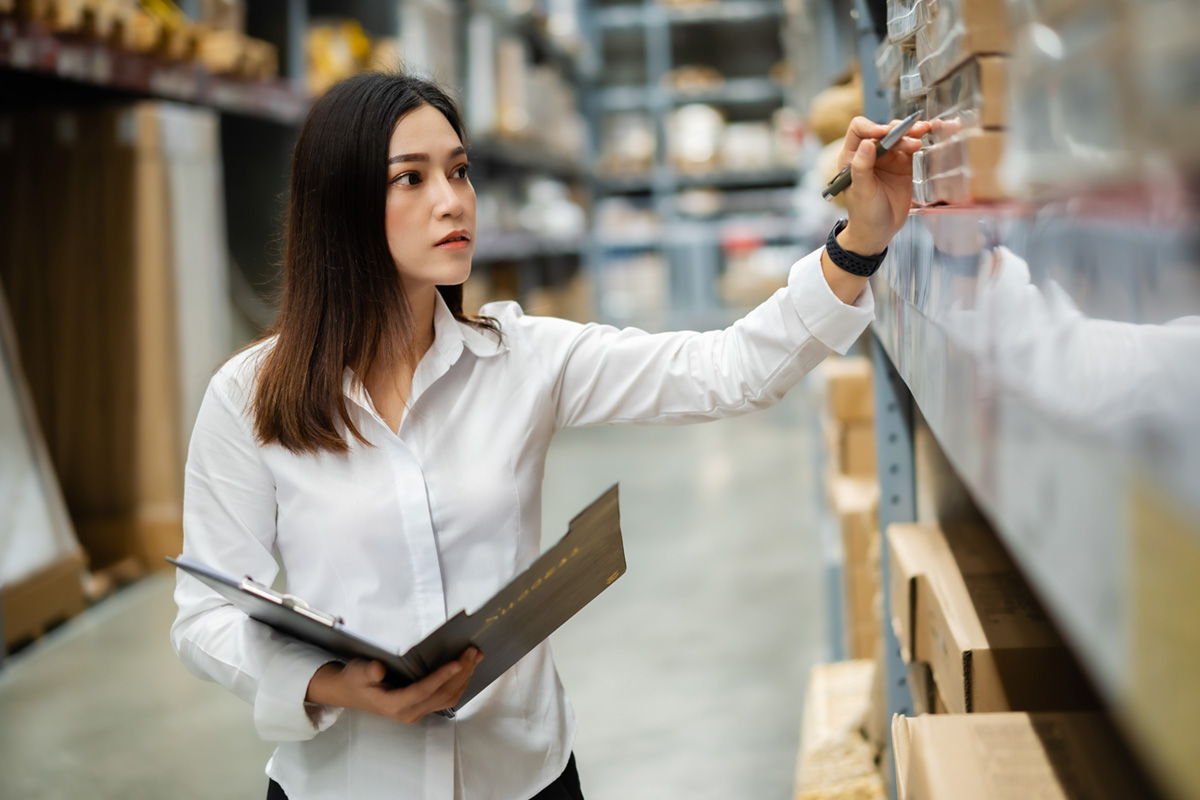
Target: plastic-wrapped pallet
[(41, 563)]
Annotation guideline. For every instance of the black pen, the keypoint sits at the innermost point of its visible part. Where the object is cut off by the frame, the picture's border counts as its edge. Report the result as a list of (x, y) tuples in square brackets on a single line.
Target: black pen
[(842, 179)]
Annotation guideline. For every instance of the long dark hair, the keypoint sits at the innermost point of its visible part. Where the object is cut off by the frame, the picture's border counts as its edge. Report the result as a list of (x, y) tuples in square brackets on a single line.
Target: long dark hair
[(343, 304)]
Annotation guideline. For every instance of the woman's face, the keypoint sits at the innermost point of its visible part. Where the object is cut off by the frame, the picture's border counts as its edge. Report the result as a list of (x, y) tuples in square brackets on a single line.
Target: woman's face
[(430, 214)]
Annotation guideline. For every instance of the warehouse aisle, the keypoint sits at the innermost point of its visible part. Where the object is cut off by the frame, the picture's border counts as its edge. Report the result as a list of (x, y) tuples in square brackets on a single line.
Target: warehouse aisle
[(687, 676)]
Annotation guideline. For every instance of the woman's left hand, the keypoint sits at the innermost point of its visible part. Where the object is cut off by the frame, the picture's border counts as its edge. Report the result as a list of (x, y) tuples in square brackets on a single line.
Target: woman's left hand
[(878, 199)]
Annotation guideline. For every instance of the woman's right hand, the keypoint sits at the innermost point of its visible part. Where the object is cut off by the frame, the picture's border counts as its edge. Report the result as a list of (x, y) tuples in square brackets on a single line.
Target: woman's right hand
[(359, 685)]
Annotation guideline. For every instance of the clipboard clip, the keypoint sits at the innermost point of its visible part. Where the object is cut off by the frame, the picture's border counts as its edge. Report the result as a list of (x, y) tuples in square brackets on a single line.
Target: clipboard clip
[(290, 601)]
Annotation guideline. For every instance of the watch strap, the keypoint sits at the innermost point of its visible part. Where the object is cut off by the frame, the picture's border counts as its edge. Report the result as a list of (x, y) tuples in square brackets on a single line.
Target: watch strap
[(855, 264)]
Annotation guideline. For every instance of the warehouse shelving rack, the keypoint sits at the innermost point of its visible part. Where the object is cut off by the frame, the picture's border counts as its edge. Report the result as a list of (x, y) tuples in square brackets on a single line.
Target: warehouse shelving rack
[(691, 245), (260, 119), (1056, 367)]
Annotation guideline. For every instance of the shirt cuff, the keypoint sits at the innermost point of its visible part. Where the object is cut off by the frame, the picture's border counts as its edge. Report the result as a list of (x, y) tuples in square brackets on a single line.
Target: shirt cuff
[(280, 712), (830, 321)]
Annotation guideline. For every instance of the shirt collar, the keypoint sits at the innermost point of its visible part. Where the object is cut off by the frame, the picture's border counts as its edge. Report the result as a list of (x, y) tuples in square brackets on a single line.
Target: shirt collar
[(450, 336), (453, 335)]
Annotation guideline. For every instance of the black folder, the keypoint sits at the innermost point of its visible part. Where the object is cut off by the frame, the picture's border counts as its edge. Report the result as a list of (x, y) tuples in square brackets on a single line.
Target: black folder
[(519, 617)]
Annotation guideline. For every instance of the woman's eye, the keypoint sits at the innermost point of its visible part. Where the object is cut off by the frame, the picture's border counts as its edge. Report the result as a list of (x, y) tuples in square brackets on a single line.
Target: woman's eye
[(462, 171), (407, 179)]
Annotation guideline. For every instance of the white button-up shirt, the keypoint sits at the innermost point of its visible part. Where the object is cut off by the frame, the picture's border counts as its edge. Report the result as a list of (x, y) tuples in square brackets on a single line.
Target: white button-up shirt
[(396, 536)]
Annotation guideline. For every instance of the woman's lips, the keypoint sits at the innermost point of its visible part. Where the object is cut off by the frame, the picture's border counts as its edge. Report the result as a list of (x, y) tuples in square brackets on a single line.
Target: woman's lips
[(454, 244)]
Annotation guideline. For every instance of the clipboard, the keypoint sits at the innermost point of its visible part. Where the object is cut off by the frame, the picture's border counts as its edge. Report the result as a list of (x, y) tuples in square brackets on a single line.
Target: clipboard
[(519, 617)]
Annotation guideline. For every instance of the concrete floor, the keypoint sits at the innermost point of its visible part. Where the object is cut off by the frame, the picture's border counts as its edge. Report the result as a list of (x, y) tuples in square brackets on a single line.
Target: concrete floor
[(687, 675)]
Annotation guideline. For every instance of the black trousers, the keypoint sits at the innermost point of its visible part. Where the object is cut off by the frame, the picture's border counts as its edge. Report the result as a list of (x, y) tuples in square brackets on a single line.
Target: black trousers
[(566, 787)]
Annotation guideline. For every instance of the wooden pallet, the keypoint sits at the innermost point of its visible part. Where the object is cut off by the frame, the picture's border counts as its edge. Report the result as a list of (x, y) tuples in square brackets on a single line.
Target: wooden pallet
[(37, 604)]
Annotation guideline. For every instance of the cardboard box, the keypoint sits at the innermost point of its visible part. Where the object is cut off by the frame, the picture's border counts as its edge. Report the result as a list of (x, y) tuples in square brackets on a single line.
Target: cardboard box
[(957, 31), (922, 688), (911, 548), (964, 609), (965, 168), (973, 96), (1004, 756), (836, 760), (848, 395), (855, 504), (101, 359), (851, 447)]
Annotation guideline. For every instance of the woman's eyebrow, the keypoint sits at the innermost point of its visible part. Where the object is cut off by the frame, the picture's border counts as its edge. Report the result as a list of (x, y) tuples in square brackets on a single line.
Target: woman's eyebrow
[(458, 151)]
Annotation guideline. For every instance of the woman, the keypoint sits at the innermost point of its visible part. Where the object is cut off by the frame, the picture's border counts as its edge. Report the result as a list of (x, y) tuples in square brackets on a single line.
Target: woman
[(392, 448)]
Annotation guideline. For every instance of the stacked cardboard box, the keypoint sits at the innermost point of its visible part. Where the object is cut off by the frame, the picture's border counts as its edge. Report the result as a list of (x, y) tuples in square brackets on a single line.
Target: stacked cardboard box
[(853, 494), (959, 605), (837, 760), (89, 228), (1009, 755)]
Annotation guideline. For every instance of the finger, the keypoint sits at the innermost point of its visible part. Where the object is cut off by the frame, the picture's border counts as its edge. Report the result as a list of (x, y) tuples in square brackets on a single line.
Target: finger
[(453, 689), (431, 684), (907, 145), (860, 129), (450, 693), (862, 166)]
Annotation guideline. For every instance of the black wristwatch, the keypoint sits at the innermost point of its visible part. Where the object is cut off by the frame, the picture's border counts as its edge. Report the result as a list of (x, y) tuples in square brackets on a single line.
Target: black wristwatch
[(863, 266)]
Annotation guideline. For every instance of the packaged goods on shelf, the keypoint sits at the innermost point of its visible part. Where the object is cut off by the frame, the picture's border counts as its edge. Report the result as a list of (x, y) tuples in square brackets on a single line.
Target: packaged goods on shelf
[(911, 84), (480, 106), (512, 86), (224, 15), (959, 603), (693, 78), (848, 395), (694, 134), (572, 300), (922, 194), (830, 112), (999, 756), (836, 760), (966, 168), (904, 17), (887, 61), (429, 38), (747, 146), (634, 285), (628, 143), (854, 503), (958, 30), (754, 268), (335, 49), (974, 96)]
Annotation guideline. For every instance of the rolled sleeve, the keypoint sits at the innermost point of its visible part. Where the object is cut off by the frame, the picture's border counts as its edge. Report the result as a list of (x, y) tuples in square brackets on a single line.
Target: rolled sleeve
[(280, 712), (828, 319)]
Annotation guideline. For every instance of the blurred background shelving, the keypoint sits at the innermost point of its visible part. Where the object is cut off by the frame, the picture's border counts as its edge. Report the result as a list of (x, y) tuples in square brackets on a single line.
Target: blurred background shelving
[(1033, 358)]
